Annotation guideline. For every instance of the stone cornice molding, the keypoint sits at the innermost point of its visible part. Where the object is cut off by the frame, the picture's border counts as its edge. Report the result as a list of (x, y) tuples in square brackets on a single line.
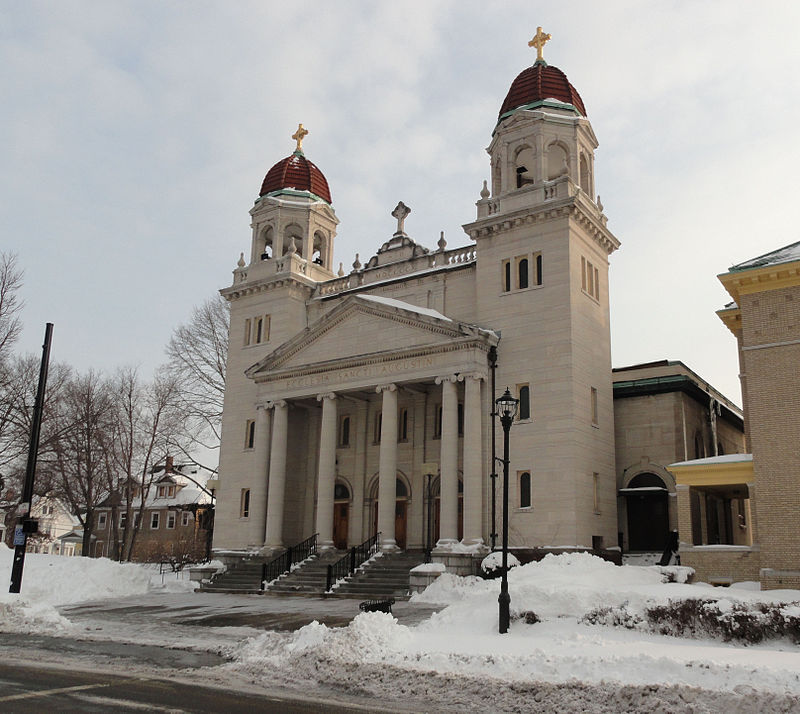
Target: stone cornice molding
[(305, 287), (500, 223), (386, 388), (326, 395), (756, 280)]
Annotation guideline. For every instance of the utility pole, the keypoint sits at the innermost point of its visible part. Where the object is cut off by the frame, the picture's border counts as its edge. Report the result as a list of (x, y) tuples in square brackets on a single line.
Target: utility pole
[(25, 524)]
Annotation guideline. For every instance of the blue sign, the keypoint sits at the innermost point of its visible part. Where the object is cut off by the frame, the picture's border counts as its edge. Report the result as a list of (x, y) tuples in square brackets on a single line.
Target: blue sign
[(19, 536)]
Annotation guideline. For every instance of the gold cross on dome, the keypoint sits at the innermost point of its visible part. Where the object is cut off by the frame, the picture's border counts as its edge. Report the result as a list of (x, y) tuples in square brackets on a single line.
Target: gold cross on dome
[(538, 42), (299, 135)]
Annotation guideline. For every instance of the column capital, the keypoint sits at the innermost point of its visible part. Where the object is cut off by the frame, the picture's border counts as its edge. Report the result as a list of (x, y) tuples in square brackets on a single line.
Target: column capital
[(326, 395), (447, 378), (386, 388), (276, 403), (477, 376)]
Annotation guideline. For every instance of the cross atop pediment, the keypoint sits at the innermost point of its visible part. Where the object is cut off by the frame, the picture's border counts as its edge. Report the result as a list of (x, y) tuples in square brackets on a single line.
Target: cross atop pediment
[(400, 213), (538, 41)]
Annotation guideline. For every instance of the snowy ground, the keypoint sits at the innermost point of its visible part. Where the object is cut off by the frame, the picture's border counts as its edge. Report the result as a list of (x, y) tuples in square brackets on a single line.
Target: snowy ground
[(454, 660)]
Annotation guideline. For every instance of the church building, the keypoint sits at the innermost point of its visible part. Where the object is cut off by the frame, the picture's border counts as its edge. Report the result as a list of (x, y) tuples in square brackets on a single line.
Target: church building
[(360, 402)]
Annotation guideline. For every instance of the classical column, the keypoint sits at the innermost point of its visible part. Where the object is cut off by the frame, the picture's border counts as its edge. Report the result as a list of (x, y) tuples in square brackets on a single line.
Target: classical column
[(473, 488), (258, 489), (277, 475), (448, 463), (387, 474), (326, 479)]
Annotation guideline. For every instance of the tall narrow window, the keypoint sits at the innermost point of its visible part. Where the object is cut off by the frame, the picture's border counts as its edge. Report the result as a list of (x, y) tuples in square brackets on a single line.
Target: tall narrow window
[(593, 396), (522, 273), (583, 273), (344, 431), (539, 269), (170, 519), (402, 425), (506, 276), (247, 328), (155, 516), (250, 434), (595, 489), (525, 490), (524, 392), (244, 508), (259, 326)]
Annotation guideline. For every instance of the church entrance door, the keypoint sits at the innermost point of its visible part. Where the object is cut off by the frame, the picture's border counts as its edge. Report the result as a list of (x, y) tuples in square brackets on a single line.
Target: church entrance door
[(648, 515), (341, 513)]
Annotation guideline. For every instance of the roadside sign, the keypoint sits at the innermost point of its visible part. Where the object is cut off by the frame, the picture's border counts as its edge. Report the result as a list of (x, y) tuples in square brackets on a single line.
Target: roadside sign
[(19, 536)]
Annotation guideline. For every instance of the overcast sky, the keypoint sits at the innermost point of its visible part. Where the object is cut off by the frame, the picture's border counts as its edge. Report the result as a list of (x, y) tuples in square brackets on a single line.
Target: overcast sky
[(134, 137)]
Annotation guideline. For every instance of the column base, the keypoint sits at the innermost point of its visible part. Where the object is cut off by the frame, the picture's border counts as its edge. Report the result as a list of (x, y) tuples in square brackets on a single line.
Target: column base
[(271, 550), (389, 545), (445, 544)]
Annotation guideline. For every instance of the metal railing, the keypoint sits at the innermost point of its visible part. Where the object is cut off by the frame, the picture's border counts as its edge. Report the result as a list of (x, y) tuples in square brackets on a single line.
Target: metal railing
[(283, 563), (346, 565)]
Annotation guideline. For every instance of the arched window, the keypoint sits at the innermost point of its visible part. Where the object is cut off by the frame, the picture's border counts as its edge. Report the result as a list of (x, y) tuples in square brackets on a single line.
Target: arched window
[(556, 161), (522, 273), (525, 490), (539, 269), (341, 492), (586, 179), (319, 250), (524, 411), (344, 431), (244, 511), (267, 243), (523, 166), (400, 489), (506, 275)]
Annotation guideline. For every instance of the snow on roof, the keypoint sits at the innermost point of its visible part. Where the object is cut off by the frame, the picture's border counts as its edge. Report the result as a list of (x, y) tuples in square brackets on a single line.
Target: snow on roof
[(405, 306), (714, 460), (787, 254)]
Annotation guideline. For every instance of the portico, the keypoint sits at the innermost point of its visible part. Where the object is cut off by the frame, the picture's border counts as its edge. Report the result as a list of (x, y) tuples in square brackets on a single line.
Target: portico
[(376, 415)]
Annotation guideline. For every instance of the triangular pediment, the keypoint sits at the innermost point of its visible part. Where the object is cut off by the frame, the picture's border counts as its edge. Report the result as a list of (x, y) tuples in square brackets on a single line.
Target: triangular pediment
[(364, 325)]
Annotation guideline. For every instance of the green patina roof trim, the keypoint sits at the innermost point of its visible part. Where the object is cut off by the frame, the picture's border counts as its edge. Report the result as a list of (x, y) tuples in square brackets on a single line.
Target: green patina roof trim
[(552, 104), (293, 192)]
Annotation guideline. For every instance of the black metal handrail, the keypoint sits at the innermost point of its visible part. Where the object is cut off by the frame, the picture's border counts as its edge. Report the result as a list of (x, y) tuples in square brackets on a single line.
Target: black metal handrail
[(284, 562), (347, 564)]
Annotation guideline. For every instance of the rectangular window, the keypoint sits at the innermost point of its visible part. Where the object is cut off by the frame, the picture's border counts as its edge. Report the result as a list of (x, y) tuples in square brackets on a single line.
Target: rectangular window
[(437, 421), (344, 430), (377, 426), (593, 397), (250, 434), (162, 491), (247, 328), (595, 489), (155, 516), (170, 519), (244, 504), (137, 519), (402, 425), (538, 261), (101, 521), (123, 519), (258, 327), (171, 492), (524, 396), (590, 278), (506, 276), (185, 518)]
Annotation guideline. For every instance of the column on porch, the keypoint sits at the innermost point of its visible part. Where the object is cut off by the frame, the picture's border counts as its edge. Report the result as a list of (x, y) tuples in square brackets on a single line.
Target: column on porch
[(473, 463), (387, 469), (258, 489), (326, 478), (448, 463), (273, 537)]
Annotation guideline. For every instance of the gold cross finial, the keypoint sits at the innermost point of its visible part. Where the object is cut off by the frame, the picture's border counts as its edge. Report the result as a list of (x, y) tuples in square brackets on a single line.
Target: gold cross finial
[(298, 136), (538, 42)]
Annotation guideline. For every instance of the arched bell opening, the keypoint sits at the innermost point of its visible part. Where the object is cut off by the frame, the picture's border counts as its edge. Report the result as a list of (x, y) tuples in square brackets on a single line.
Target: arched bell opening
[(523, 166), (267, 243), (557, 161)]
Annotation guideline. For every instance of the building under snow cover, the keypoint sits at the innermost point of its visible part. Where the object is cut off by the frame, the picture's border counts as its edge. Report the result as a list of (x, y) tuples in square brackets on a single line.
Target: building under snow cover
[(358, 402), (765, 318)]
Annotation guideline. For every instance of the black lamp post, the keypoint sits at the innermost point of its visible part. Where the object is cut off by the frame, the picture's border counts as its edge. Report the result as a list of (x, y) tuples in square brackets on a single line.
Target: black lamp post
[(507, 409)]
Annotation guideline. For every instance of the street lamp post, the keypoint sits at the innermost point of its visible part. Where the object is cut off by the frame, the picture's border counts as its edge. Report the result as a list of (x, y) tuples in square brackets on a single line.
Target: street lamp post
[(507, 409)]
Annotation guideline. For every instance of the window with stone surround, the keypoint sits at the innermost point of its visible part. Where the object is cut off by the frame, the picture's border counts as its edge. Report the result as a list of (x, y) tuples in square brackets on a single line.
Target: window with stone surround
[(506, 276), (344, 430), (250, 434), (155, 518), (377, 426), (593, 402), (521, 273), (248, 326), (523, 270), (590, 278), (402, 425)]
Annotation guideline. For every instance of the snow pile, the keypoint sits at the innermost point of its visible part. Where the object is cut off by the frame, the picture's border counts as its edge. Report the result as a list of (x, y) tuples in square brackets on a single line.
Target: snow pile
[(49, 581)]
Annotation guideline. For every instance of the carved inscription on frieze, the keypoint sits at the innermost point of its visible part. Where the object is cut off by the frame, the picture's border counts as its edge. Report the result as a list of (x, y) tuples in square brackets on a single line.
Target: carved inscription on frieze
[(363, 373)]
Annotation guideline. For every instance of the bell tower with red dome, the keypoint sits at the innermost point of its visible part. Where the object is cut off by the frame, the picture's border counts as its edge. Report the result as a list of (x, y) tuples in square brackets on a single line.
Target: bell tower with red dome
[(542, 281)]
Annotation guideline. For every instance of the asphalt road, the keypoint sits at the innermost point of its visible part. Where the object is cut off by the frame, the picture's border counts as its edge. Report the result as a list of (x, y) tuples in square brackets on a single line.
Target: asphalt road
[(25, 688)]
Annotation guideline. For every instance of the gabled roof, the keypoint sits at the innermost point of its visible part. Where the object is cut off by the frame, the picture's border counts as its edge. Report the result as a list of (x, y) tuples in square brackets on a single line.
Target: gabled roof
[(787, 254)]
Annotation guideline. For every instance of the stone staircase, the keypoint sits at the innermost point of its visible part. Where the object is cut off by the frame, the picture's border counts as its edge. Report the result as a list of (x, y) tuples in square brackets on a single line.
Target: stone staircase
[(383, 577), (308, 579), (243, 577)]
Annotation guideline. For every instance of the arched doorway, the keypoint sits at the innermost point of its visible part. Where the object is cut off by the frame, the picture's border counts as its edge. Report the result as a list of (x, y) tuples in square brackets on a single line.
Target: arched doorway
[(400, 512), (341, 515), (648, 516)]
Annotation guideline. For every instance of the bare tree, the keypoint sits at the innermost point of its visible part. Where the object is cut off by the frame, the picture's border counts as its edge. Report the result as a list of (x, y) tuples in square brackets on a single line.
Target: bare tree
[(82, 464), (197, 354), (149, 419), (10, 303)]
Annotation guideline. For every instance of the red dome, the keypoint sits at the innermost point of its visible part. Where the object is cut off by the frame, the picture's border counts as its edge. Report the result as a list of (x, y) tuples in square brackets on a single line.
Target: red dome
[(298, 173), (541, 82)]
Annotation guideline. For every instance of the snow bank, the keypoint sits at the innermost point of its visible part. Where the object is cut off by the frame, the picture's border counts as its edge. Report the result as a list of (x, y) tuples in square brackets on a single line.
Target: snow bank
[(50, 581)]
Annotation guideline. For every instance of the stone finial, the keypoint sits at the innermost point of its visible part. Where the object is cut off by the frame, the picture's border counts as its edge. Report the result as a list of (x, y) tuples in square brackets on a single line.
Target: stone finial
[(599, 204), (356, 263), (340, 272), (485, 190), (400, 212), (241, 262), (442, 242), (292, 246)]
